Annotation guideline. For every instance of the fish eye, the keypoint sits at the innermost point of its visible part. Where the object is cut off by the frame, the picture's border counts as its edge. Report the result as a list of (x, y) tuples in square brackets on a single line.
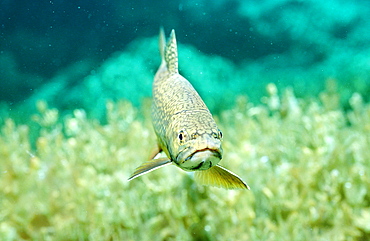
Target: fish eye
[(217, 135), (181, 136)]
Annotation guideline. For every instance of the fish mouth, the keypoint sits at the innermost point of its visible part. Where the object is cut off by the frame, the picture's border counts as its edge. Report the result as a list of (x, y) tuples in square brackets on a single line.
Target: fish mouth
[(214, 152), (201, 160)]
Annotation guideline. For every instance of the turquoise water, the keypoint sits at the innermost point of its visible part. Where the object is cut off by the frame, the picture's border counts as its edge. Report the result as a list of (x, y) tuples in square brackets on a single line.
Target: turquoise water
[(78, 55)]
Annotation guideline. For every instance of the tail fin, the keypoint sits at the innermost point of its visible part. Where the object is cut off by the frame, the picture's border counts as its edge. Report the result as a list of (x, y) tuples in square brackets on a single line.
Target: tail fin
[(162, 43)]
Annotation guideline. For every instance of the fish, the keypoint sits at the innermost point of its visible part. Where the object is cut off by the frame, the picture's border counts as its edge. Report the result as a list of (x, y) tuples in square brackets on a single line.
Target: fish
[(185, 129)]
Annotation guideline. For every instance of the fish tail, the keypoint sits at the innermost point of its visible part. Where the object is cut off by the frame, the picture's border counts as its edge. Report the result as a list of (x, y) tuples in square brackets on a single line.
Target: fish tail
[(162, 43), (170, 54)]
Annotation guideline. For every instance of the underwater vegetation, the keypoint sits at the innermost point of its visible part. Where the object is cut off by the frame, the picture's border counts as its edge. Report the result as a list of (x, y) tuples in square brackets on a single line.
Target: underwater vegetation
[(64, 177)]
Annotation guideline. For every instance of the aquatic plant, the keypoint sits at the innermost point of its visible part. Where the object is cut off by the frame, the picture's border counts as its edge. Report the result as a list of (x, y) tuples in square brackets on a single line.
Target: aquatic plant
[(64, 177)]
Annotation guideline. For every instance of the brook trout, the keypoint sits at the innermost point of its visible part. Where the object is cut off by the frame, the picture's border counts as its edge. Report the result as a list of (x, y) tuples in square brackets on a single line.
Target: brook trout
[(185, 128)]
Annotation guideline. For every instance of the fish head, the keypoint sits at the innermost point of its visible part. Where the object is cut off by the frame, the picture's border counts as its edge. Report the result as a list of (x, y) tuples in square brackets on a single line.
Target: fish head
[(198, 151)]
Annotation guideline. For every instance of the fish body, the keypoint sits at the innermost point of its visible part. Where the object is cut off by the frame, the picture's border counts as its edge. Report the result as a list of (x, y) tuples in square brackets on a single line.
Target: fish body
[(185, 128)]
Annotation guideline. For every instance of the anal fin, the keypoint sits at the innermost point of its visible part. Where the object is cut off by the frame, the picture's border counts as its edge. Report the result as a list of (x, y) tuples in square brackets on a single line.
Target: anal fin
[(149, 166), (219, 176)]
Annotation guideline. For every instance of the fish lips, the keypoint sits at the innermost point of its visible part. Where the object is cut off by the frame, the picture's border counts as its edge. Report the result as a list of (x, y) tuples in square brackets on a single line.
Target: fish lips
[(200, 160)]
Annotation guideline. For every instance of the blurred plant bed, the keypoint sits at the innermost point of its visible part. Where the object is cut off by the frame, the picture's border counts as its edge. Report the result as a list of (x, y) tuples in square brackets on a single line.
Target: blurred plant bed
[(64, 177)]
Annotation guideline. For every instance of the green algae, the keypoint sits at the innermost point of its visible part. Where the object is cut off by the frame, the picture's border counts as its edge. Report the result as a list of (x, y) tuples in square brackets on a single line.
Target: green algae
[(64, 177)]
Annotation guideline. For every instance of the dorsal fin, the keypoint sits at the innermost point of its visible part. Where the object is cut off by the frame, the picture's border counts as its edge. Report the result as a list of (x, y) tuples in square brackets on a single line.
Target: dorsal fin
[(170, 54)]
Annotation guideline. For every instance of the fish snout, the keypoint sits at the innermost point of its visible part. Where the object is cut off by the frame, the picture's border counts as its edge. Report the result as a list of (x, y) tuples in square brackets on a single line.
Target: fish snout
[(201, 160)]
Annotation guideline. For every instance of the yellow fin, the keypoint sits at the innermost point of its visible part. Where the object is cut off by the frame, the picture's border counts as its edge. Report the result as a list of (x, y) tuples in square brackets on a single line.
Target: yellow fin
[(149, 166), (219, 176)]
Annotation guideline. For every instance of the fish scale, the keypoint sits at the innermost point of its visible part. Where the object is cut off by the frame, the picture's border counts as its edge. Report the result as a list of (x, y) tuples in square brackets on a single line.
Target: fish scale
[(185, 128)]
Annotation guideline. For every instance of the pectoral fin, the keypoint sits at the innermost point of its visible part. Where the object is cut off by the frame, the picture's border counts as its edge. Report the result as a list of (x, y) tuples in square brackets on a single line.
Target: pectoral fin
[(155, 152), (149, 166), (219, 176)]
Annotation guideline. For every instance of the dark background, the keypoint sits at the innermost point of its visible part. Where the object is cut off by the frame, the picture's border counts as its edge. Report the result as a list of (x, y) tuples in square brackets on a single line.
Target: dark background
[(39, 40)]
